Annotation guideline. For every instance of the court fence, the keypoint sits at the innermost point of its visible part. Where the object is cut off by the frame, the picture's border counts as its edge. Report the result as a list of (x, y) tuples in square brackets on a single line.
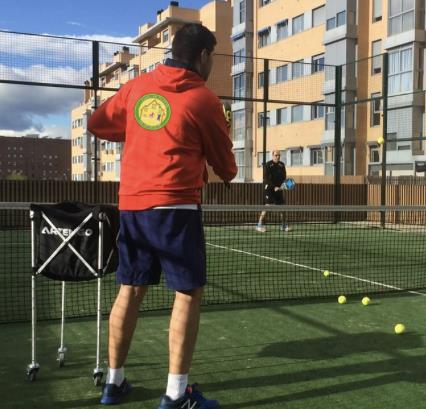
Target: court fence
[(328, 120)]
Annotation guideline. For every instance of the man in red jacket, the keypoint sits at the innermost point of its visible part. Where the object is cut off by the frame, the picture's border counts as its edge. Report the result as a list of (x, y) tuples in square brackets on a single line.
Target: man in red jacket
[(172, 124)]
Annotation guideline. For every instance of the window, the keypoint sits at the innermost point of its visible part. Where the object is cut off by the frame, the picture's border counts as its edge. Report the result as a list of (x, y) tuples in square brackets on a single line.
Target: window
[(239, 160), (331, 23), (239, 86), (260, 79), (242, 12), (133, 72), (239, 56), (264, 37), (318, 16), (376, 64), (297, 113), (374, 153), (297, 69), (317, 111), (341, 19), (296, 156), (317, 156), (401, 16), (238, 125), (400, 70), (282, 116), (263, 2), (166, 36), (282, 73), (391, 141), (282, 30), (329, 118), (260, 119), (377, 10), (318, 63), (375, 105), (298, 24), (260, 158)]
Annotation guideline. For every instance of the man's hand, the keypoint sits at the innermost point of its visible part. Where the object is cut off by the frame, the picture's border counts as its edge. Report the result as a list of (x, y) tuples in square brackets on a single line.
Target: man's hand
[(227, 112)]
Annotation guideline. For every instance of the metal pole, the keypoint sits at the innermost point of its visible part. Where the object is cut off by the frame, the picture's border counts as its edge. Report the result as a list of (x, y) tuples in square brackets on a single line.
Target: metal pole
[(265, 113), (385, 71), (337, 137), (95, 80)]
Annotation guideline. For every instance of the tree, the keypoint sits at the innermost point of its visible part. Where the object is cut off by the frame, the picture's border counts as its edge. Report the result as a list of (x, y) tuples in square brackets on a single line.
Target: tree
[(17, 175)]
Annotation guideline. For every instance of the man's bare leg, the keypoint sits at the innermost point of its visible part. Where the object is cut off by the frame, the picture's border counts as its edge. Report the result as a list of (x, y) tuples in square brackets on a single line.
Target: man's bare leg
[(183, 333), (122, 323), (184, 323)]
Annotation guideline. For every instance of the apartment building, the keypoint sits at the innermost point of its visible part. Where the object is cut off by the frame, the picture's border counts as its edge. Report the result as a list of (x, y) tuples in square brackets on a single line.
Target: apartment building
[(152, 47), (32, 157), (303, 41)]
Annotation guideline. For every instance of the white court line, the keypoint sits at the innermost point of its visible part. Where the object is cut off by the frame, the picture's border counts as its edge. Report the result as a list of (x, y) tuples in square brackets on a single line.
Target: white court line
[(314, 269)]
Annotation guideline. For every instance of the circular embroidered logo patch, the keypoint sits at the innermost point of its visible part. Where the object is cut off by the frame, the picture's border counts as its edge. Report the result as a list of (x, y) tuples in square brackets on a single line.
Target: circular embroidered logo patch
[(152, 111)]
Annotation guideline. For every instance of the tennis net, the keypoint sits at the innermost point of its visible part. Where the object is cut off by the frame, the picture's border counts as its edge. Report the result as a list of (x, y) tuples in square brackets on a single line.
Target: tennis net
[(244, 265)]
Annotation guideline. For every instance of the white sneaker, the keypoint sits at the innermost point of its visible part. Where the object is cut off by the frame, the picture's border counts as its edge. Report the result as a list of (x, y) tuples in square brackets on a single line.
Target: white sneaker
[(261, 229), (286, 228)]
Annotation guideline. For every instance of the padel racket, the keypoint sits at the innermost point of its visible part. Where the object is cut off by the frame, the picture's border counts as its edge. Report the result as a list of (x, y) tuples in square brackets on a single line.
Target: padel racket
[(288, 184)]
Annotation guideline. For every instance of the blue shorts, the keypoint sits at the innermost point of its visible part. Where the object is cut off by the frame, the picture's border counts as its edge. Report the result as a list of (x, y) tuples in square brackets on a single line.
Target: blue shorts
[(168, 240)]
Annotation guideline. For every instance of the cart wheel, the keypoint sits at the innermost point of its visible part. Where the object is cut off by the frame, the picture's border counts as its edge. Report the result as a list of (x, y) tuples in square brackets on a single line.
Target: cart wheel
[(31, 374), (97, 379), (61, 359)]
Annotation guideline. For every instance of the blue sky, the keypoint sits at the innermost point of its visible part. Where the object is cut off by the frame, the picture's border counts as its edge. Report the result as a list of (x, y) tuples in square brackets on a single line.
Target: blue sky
[(82, 17), (27, 109)]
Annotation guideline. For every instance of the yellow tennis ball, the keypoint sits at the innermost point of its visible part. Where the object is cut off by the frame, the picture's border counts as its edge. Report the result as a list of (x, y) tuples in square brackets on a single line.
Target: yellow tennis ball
[(326, 273), (365, 301), (380, 140), (341, 299), (399, 328)]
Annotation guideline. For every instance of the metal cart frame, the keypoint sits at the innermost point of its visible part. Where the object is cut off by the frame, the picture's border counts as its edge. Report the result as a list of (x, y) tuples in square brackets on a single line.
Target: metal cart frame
[(97, 272)]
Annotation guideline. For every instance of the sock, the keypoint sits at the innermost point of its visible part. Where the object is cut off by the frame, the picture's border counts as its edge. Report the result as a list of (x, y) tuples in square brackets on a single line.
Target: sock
[(176, 385), (115, 376)]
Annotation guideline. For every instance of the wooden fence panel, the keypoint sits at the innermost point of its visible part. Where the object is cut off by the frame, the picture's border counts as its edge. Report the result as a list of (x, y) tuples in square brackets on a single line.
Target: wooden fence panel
[(213, 193)]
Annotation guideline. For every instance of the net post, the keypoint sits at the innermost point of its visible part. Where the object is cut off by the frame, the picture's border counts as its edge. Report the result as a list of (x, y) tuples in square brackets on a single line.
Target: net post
[(265, 112), (337, 138), (385, 69)]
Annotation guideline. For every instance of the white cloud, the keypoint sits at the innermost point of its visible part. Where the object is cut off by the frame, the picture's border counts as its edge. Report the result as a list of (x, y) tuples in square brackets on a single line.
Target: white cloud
[(29, 58), (53, 131), (29, 107)]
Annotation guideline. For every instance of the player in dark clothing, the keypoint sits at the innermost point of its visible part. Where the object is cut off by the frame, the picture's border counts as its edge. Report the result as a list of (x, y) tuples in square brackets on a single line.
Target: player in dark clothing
[(274, 175)]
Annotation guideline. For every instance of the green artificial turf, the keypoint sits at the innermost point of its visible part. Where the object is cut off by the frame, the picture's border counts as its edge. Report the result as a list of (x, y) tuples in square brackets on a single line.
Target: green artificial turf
[(257, 356)]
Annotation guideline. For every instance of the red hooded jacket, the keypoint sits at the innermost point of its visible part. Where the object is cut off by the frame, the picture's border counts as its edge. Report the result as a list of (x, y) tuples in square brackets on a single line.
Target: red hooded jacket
[(171, 124)]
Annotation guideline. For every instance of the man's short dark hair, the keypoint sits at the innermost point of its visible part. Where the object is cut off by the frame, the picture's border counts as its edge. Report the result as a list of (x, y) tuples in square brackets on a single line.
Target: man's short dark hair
[(190, 40)]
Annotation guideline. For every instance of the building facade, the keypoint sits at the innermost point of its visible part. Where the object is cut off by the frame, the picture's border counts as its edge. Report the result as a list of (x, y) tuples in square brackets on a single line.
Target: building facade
[(152, 47), (33, 158), (304, 41)]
